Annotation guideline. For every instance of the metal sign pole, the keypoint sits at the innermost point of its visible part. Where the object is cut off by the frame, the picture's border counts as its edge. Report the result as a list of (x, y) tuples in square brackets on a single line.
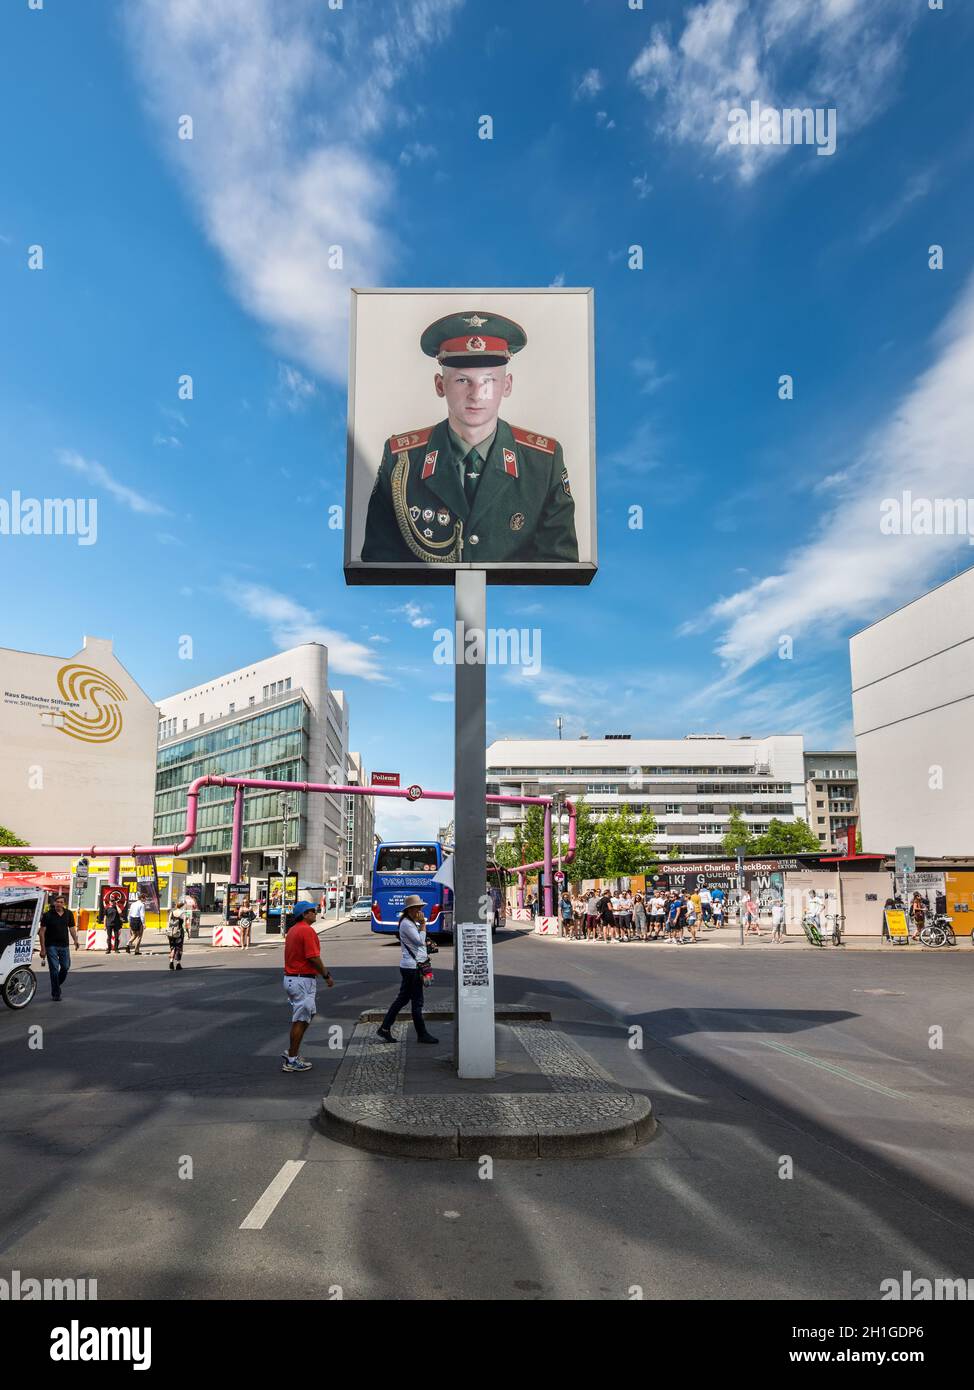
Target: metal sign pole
[(472, 954)]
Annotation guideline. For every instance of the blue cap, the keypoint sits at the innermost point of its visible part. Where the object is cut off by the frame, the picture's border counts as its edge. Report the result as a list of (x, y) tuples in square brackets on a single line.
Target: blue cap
[(304, 906)]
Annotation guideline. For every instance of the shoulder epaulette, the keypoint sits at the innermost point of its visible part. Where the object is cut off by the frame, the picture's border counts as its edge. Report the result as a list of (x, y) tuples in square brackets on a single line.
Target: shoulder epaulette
[(398, 442), (544, 442)]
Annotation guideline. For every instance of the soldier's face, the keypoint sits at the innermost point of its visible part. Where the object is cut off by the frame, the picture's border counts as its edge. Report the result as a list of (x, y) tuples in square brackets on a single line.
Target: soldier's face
[(473, 394)]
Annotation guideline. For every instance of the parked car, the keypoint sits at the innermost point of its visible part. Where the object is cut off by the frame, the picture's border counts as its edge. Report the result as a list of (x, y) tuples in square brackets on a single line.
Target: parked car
[(361, 910)]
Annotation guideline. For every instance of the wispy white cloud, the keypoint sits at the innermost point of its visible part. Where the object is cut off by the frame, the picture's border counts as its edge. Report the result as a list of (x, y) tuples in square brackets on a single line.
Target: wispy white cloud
[(294, 390), (649, 374), (291, 625), (414, 615), (847, 570), (97, 473), (730, 52), (589, 86), (283, 99), (604, 120), (917, 186), (416, 153), (642, 186)]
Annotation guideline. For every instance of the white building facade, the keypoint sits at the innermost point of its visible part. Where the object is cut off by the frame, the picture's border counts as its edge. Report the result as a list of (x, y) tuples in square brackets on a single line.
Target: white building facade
[(913, 714), (275, 719), (77, 750), (689, 784)]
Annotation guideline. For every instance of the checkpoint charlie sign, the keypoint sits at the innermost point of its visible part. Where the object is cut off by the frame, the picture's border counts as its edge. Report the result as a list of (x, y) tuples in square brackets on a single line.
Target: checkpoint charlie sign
[(471, 436)]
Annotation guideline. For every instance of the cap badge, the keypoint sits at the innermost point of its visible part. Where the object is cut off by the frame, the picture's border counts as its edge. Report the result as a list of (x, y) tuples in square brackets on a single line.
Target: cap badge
[(476, 345), (474, 321)]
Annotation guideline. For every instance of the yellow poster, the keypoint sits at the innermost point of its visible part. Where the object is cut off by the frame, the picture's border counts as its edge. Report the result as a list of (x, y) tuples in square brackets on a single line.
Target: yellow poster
[(896, 925)]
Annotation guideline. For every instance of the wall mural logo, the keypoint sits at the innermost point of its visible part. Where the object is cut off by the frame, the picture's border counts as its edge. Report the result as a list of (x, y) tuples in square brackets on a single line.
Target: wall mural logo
[(84, 685)]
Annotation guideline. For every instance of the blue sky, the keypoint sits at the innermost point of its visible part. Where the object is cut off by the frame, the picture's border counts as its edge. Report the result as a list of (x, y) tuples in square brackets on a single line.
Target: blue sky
[(360, 126)]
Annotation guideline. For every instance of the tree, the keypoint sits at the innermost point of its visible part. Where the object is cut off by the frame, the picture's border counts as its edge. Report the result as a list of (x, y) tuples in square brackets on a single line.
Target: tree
[(786, 837), (19, 863), (673, 852), (624, 843), (738, 836), (858, 841)]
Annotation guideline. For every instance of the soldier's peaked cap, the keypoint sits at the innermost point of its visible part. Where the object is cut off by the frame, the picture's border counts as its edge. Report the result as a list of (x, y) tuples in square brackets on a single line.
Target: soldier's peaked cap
[(473, 338)]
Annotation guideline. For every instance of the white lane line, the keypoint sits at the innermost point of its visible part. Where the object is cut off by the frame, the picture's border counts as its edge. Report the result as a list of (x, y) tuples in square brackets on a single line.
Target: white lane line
[(256, 1219), (836, 1071)]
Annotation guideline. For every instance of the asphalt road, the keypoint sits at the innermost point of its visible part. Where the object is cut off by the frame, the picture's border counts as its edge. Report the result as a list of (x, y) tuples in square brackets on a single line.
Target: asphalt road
[(152, 1141)]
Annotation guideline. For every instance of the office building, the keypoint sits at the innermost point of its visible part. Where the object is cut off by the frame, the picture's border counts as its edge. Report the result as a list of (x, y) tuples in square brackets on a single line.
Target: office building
[(276, 719), (689, 784), (913, 715)]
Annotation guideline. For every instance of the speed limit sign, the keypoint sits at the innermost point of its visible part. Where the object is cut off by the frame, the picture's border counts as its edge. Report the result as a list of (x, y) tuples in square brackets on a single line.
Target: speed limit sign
[(414, 792)]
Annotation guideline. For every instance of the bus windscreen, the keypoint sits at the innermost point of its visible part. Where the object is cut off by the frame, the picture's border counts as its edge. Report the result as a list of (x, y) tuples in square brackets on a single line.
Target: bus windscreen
[(406, 859)]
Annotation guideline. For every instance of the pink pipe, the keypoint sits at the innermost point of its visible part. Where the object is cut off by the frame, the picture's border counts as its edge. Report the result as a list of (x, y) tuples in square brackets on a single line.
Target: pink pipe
[(192, 799)]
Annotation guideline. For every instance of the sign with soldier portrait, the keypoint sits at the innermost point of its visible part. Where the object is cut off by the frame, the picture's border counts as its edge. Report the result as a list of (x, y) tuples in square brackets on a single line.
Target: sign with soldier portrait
[(471, 436)]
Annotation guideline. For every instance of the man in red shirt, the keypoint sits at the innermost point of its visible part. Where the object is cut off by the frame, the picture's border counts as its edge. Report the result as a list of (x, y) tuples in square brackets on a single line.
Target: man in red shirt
[(302, 964)]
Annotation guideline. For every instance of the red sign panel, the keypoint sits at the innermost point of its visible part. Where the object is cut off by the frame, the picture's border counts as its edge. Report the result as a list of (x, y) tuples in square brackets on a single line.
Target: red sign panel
[(385, 779)]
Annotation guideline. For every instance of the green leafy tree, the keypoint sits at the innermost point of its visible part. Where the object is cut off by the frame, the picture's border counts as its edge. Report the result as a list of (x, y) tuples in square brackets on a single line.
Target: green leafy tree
[(19, 863), (624, 843), (673, 852), (858, 841), (738, 836), (786, 837)]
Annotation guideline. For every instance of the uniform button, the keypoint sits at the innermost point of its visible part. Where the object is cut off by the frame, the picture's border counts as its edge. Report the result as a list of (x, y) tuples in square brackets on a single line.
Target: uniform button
[(474, 540)]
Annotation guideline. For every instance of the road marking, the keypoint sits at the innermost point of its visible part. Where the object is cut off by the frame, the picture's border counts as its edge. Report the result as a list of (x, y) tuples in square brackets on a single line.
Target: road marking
[(256, 1219), (836, 1071)]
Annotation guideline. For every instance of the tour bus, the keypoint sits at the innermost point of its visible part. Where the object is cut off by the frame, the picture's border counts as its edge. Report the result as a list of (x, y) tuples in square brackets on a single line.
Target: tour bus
[(406, 867), (403, 868)]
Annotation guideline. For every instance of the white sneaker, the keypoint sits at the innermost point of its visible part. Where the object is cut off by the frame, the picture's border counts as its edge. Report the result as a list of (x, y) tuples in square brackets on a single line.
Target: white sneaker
[(295, 1064)]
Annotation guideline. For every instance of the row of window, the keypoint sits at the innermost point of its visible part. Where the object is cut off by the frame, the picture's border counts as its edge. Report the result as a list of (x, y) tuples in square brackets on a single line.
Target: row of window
[(292, 716), (553, 773), (275, 688), (267, 835), (234, 764)]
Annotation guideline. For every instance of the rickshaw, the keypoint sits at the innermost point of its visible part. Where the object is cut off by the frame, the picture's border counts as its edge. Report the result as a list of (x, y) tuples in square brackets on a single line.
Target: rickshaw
[(20, 919)]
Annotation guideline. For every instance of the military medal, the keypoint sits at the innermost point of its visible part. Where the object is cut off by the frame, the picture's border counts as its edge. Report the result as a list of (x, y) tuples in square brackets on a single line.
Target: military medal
[(443, 518), (428, 534), (414, 513), (427, 513), (517, 521)]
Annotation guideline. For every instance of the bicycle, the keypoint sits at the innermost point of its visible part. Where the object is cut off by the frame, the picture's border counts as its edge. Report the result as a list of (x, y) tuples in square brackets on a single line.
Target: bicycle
[(939, 932), (812, 930), (838, 926)]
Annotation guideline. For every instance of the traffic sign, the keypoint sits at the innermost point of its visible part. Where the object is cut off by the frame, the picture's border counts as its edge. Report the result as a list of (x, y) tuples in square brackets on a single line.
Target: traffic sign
[(414, 792), (559, 877)]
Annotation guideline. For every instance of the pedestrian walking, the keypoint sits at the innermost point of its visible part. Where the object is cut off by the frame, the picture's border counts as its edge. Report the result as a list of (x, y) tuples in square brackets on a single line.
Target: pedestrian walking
[(567, 914), (705, 905), (414, 969), (57, 924), (302, 966), (136, 926), (176, 934), (114, 922)]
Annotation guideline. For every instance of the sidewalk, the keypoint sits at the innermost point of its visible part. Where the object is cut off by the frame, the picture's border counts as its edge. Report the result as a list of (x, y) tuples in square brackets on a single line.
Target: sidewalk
[(154, 940), (550, 1097), (729, 938)]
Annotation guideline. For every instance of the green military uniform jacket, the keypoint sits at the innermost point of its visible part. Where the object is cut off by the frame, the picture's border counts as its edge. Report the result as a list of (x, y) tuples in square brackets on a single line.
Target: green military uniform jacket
[(522, 511)]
